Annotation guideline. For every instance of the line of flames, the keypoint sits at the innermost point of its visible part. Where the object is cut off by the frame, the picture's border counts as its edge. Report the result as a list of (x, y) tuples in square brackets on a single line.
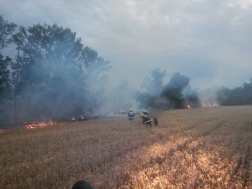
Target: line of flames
[(40, 124), (45, 124), (119, 112)]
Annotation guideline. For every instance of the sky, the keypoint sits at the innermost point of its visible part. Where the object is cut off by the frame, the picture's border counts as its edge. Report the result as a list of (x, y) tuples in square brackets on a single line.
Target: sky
[(207, 40)]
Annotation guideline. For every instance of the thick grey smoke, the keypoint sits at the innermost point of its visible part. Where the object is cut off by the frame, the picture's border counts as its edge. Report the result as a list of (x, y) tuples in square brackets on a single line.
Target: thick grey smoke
[(208, 97), (55, 76), (121, 97)]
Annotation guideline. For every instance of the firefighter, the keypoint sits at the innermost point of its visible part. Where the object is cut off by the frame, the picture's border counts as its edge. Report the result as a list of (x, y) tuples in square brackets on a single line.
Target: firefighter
[(146, 119), (131, 114)]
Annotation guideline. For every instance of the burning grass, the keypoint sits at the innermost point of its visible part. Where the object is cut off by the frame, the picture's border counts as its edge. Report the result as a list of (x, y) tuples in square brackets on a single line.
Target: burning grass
[(200, 148), (40, 124)]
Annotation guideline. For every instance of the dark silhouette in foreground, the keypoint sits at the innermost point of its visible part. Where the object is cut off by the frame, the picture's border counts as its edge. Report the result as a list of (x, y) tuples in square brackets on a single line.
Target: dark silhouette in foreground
[(81, 184)]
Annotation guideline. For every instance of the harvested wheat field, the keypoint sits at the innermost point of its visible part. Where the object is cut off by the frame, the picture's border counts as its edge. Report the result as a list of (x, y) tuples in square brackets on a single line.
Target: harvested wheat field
[(198, 148)]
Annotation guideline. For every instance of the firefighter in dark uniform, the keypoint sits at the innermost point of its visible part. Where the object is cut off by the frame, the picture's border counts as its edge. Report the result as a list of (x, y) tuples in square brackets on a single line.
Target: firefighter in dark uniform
[(146, 119)]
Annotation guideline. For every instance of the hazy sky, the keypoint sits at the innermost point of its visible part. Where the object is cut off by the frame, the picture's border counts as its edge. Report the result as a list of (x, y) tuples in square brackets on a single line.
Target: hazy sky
[(210, 41)]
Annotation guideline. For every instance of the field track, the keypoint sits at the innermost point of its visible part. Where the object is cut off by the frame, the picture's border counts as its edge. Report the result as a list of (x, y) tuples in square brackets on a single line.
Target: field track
[(198, 148)]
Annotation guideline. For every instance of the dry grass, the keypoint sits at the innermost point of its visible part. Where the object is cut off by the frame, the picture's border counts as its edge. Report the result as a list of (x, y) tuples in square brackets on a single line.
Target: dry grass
[(199, 148)]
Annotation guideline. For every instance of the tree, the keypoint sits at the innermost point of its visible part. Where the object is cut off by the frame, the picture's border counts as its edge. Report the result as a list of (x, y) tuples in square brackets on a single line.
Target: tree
[(5, 87), (154, 84), (223, 95), (145, 100), (247, 90), (54, 69), (173, 90), (237, 96), (190, 95), (178, 81), (6, 31)]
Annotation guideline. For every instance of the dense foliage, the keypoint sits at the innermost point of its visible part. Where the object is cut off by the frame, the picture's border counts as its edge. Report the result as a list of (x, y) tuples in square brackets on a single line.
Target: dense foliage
[(174, 91), (52, 75), (237, 96)]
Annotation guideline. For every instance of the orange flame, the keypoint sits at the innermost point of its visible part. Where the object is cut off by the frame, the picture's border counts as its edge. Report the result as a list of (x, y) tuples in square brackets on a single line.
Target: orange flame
[(40, 124), (189, 106), (119, 112), (1, 131)]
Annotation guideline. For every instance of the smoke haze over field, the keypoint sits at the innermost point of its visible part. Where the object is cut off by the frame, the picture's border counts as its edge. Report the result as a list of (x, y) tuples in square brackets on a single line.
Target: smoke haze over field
[(208, 41)]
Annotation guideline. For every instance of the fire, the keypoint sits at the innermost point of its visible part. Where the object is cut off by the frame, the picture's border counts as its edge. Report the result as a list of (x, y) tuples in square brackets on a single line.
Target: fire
[(189, 106), (73, 118), (119, 112), (122, 111), (82, 117), (40, 124), (1, 131)]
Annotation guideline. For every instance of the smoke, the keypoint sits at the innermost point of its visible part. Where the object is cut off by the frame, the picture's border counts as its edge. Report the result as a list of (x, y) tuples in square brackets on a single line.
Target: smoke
[(55, 76), (208, 97), (153, 84), (121, 97), (152, 88), (201, 97)]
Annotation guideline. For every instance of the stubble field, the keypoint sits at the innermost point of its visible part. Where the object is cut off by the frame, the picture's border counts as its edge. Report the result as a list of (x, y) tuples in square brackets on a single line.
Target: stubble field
[(198, 148)]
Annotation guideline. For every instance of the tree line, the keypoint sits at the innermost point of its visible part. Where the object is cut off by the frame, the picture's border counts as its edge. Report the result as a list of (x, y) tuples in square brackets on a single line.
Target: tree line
[(237, 96), (51, 74)]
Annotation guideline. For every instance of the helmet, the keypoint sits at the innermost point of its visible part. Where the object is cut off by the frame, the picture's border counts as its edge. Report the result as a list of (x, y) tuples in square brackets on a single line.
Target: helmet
[(131, 109), (145, 112)]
